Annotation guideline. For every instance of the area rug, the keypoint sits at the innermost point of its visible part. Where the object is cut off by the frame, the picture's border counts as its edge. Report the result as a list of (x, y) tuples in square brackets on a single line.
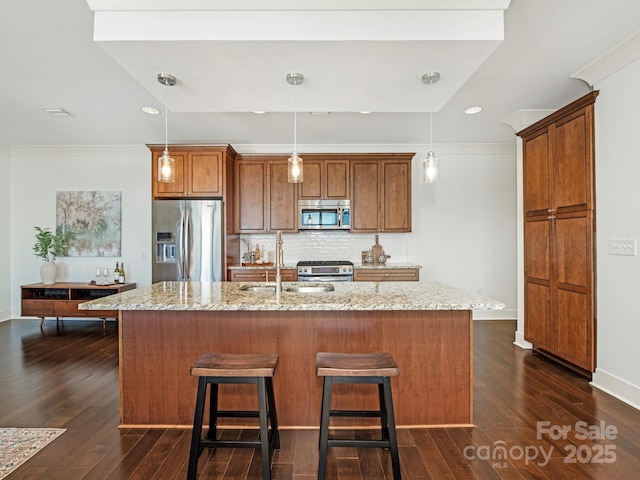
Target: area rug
[(17, 445)]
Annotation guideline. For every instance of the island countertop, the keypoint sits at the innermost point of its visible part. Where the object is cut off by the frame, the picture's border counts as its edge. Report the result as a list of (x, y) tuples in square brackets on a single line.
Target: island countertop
[(354, 296)]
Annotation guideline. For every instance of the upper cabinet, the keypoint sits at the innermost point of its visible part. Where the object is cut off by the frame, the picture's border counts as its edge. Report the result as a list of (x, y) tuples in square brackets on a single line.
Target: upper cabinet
[(265, 201), (381, 193), (201, 171), (324, 178)]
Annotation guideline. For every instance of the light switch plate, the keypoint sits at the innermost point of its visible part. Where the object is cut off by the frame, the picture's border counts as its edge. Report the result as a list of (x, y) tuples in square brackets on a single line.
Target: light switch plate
[(622, 246)]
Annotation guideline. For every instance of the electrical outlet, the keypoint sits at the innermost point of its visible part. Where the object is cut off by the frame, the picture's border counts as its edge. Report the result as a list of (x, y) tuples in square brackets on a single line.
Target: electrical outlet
[(623, 246)]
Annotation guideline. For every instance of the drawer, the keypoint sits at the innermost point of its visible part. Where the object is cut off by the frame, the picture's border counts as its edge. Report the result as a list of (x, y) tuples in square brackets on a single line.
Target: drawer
[(386, 275), (38, 308)]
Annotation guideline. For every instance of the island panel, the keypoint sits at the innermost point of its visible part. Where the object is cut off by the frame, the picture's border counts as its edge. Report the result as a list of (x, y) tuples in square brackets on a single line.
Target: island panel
[(432, 348)]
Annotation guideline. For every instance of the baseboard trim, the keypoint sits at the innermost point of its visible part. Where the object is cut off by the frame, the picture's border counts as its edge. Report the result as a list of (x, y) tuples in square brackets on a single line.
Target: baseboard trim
[(519, 341), (494, 314), (616, 387)]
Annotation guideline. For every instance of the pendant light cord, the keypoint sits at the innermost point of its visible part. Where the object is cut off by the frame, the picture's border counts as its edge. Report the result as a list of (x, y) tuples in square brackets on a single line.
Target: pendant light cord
[(430, 120), (295, 117), (166, 117)]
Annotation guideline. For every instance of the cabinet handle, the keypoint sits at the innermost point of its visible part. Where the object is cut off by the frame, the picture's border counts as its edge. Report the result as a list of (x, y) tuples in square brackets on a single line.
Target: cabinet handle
[(551, 217), (551, 210)]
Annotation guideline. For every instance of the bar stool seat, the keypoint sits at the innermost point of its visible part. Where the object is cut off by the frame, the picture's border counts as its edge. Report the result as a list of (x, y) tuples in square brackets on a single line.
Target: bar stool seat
[(375, 368), (214, 369)]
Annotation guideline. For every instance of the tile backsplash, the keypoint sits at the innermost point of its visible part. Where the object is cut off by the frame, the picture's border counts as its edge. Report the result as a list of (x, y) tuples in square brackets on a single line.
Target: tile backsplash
[(327, 245)]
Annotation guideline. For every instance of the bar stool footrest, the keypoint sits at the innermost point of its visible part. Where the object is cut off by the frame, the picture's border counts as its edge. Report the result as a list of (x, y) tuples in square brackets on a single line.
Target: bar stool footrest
[(355, 413), (239, 413), (359, 443)]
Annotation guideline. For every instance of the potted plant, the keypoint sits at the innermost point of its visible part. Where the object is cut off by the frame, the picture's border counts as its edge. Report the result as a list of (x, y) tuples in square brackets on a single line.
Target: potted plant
[(48, 246)]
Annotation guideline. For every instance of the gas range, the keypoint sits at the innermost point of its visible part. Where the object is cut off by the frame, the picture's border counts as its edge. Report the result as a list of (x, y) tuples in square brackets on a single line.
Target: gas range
[(325, 271)]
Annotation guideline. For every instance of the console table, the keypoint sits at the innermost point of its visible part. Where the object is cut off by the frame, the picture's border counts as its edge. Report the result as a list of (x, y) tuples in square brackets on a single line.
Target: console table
[(61, 299)]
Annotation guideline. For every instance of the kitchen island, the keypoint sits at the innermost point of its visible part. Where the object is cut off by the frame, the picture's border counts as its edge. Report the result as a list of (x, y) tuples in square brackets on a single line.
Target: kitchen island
[(426, 326)]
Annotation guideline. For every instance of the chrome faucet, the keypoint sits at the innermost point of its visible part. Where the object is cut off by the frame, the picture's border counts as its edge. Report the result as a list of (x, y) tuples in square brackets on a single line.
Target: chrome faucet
[(278, 262)]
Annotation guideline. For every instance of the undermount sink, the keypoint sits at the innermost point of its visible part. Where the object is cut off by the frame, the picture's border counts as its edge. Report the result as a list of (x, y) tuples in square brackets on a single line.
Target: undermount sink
[(288, 289), (258, 288), (309, 289)]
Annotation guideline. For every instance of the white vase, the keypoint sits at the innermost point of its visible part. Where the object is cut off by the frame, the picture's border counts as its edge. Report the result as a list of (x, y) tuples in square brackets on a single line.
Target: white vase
[(48, 273)]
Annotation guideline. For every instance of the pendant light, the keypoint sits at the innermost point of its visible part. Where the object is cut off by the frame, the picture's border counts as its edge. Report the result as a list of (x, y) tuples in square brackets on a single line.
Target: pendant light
[(294, 168), (430, 168), (166, 164)]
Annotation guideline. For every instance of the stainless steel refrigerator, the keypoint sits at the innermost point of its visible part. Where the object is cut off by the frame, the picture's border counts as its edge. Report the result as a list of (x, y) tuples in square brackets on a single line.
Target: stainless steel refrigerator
[(188, 240)]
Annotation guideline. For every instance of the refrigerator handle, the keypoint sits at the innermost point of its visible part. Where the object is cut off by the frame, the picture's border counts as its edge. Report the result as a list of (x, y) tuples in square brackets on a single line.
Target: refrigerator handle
[(186, 261), (180, 236)]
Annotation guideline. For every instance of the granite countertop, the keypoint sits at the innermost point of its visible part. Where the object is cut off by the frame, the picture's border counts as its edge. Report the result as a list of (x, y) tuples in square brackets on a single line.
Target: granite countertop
[(386, 265), (217, 296), (355, 265), (271, 266)]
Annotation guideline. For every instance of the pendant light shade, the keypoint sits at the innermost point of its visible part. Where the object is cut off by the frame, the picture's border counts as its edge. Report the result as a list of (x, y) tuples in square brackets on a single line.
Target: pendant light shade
[(430, 166), (166, 164), (295, 166)]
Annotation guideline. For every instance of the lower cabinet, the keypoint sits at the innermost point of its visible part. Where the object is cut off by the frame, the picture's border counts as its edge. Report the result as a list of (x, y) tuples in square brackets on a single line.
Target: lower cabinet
[(261, 275), (386, 275)]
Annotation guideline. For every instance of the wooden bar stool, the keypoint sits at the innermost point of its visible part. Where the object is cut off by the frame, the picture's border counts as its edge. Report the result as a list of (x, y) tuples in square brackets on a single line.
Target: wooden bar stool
[(216, 368), (376, 368)]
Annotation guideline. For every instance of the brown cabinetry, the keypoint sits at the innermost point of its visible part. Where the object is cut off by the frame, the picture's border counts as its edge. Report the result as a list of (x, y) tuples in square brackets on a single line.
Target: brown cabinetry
[(559, 233), (386, 275), (381, 193), (62, 299), (201, 171), (261, 275), (265, 201), (325, 178)]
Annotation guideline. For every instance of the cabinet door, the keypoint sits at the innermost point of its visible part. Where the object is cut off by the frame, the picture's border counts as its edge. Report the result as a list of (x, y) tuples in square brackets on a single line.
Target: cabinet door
[(325, 179), (538, 281), (336, 179), (395, 211), (170, 190), (206, 174), (311, 187), (365, 195), (573, 160), (574, 332), (282, 199), (250, 196), (536, 174)]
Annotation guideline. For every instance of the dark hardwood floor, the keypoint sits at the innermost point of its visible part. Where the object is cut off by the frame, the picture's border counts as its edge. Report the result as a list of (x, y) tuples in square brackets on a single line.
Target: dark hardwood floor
[(67, 377)]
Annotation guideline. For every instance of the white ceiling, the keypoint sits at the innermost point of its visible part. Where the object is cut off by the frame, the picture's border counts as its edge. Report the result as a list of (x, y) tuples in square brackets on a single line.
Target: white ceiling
[(232, 56)]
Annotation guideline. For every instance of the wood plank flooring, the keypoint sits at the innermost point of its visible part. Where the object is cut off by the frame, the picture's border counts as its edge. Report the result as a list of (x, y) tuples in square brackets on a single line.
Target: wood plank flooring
[(66, 376)]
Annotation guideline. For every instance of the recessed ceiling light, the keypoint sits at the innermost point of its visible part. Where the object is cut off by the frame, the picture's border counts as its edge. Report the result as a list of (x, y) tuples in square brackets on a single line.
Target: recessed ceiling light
[(151, 110), (473, 110), (56, 111), (259, 112), (365, 112)]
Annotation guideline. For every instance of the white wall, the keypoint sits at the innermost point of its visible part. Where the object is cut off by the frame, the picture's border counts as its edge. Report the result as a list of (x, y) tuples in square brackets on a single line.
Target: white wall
[(5, 253), (618, 216), (37, 173), (463, 227)]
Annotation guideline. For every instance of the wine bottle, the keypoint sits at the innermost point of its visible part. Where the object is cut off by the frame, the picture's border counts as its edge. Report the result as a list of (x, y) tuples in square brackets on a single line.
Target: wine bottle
[(116, 274), (257, 252), (122, 276)]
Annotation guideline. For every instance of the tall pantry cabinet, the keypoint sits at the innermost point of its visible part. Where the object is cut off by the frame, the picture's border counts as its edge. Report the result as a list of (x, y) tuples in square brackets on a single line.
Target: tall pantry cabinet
[(559, 233)]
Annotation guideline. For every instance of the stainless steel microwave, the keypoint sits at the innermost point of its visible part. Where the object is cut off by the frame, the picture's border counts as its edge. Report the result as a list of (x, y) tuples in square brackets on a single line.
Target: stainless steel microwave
[(324, 214)]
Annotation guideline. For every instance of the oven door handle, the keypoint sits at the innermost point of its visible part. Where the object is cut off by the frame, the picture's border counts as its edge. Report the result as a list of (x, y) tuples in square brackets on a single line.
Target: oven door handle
[(325, 278)]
